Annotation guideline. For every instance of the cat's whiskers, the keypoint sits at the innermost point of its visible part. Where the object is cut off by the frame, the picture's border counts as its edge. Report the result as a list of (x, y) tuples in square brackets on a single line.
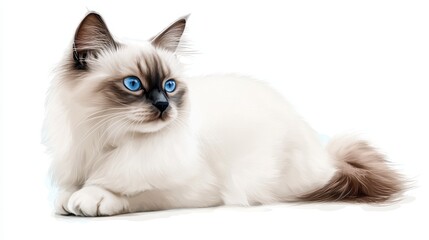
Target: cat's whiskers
[(115, 127), (96, 127), (116, 154), (117, 131), (95, 115), (106, 130), (112, 130), (119, 124), (105, 119), (109, 109)]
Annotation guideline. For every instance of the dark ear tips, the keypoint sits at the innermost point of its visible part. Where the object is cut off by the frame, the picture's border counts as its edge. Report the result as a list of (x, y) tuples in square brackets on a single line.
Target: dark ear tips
[(186, 16), (91, 28), (170, 37), (92, 35)]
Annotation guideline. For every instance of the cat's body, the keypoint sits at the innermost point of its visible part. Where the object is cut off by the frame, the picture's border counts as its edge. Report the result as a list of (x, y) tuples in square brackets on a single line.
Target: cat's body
[(222, 139)]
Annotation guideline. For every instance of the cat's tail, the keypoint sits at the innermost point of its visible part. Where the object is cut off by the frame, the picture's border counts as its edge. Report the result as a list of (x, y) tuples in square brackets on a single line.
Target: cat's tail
[(363, 175)]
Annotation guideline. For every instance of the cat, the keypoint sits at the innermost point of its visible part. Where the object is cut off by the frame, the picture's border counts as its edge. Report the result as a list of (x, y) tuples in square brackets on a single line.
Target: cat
[(129, 132)]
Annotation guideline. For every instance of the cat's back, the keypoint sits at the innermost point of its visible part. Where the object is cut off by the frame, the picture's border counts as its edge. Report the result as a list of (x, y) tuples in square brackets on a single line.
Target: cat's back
[(234, 97), (247, 131), (241, 114)]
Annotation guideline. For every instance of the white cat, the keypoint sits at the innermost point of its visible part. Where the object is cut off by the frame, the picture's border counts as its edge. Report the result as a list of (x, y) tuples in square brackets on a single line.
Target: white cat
[(129, 132)]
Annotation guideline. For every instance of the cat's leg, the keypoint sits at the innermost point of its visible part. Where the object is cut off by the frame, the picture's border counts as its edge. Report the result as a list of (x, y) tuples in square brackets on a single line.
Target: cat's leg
[(94, 201), (190, 196), (62, 199)]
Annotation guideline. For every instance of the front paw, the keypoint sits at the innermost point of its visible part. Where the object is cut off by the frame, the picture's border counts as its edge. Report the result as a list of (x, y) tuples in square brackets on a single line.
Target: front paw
[(94, 201), (61, 201)]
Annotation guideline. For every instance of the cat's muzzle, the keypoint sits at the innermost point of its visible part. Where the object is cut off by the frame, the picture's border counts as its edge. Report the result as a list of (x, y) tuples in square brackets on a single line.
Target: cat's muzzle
[(159, 99)]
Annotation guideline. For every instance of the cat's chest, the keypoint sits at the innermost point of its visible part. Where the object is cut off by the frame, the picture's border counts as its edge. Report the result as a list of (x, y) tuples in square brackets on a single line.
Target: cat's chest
[(158, 162), (151, 152)]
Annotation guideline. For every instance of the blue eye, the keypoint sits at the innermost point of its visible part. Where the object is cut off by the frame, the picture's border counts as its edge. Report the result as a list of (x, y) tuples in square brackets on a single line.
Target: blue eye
[(170, 85), (132, 83)]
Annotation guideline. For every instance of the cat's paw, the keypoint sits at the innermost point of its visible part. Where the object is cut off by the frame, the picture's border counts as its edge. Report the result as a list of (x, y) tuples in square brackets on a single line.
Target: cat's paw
[(94, 201), (61, 202)]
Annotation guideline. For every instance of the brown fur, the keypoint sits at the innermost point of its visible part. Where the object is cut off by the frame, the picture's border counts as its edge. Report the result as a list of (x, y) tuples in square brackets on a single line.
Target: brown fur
[(169, 39), (363, 176), (93, 34)]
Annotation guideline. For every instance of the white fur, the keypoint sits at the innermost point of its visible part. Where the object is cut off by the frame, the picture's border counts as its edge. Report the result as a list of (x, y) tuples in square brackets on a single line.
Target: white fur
[(237, 142)]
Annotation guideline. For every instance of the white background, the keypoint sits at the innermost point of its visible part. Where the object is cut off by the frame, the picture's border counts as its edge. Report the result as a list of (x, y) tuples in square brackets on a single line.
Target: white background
[(347, 66)]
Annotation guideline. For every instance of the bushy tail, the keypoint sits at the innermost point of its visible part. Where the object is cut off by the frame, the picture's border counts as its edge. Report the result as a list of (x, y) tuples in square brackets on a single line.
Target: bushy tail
[(363, 175)]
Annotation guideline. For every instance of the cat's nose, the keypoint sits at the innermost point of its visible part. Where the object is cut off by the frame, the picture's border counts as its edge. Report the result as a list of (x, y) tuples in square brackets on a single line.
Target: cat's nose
[(158, 98), (161, 105)]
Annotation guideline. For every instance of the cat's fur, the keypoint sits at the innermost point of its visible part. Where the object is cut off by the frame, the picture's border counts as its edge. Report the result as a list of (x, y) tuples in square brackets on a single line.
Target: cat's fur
[(224, 139)]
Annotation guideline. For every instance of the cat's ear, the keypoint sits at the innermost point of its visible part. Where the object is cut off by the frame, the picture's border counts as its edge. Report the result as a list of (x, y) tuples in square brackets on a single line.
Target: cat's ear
[(169, 39), (91, 36)]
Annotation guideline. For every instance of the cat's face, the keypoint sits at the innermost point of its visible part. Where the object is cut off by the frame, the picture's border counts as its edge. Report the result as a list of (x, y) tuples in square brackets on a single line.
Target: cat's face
[(125, 88)]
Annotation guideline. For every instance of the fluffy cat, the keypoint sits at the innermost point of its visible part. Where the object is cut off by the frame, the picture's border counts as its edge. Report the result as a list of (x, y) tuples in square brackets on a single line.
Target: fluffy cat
[(129, 132)]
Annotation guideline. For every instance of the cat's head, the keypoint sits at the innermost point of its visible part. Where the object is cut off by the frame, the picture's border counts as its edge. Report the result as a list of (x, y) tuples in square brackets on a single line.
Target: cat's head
[(124, 87)]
